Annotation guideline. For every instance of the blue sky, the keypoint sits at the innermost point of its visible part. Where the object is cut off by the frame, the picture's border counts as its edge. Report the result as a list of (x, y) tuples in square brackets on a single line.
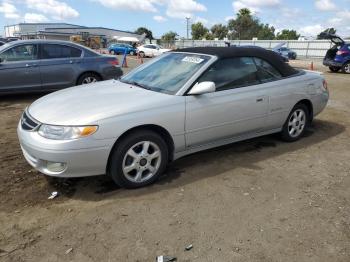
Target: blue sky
[(308, 17)]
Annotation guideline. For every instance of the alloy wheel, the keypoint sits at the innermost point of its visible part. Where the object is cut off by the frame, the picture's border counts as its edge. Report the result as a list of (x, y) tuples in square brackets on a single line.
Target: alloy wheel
[(347, 68), (141, 162), (89, 80), (296, 123)]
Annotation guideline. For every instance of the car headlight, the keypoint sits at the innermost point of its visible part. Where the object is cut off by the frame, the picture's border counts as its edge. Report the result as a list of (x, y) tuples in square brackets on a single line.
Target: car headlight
[(66, 132)]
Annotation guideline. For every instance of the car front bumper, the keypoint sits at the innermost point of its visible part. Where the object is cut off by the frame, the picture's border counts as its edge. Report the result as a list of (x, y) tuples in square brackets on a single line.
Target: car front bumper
[(74, 159)]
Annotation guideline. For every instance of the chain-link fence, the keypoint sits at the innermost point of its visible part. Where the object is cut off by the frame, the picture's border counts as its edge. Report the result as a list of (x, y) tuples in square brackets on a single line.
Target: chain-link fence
[(314, 48)]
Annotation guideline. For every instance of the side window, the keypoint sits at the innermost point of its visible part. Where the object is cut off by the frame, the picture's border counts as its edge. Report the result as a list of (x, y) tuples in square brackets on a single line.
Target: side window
[(266, 72), (20, 53), (51, 51), (232, 73)]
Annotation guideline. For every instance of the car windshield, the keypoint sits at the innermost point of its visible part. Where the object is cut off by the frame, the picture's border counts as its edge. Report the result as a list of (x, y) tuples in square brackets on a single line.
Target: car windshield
[(167, 74)]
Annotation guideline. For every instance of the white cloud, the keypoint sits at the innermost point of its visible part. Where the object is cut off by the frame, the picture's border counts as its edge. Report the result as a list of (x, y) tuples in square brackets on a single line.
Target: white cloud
[(325, 5), (202, 20), (134, 5), (58, 10), (35, 18), (254, 5), (159, 18), (311, 30), (228, 18), (9, 10), (184, 8)]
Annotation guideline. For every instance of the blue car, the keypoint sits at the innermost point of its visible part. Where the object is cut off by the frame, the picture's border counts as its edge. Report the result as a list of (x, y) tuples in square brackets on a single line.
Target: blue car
[(338, 57), (285, 52), (116, 49)]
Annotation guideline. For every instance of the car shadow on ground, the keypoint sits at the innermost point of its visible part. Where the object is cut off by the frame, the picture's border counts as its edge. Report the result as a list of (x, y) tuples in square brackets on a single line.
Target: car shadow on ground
[(211, 163)]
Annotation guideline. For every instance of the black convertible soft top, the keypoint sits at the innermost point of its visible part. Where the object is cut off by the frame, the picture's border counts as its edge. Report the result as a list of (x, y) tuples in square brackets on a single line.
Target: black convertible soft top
[(228, 52)]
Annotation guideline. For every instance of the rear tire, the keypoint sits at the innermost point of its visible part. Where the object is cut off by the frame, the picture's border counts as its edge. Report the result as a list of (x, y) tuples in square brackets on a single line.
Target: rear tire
[(334, 69), (138, 160), (88, 78), (346, 68), (296, 124), (132, 53), (112, 52)]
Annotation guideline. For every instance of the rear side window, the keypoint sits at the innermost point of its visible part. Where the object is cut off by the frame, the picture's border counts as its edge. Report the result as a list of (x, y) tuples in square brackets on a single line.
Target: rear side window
[(52, 51), (265, 71), (232, 73)]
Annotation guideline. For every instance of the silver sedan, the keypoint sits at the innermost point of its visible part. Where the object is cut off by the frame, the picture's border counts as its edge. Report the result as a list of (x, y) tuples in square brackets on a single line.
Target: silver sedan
[(177, 104)]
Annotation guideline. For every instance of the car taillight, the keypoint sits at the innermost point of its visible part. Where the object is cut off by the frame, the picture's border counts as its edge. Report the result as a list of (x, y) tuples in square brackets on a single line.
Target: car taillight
[(325, 85), (114, 62), (343, 52)]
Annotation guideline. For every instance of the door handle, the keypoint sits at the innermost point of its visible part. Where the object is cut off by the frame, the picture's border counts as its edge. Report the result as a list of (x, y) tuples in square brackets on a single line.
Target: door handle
[(258, 100), (28, 65)]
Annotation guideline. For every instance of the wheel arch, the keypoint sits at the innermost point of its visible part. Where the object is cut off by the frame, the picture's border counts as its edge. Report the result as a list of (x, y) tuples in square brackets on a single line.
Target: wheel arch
[(151, 127), (86, 72), (309, 106)]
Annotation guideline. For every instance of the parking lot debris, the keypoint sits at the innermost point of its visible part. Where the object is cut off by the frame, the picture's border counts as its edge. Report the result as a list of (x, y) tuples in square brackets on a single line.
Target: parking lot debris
[(165, 259), (189, 247), (53, 195), (69, 250)]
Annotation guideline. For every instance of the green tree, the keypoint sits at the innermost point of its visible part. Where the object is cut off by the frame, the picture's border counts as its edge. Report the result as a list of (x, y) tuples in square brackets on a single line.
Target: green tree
[(198, 31), (245, 26), (209, 36), (169, 36), (266, 32), (286, 34), (219, 31), (147, 32), (330, 30)]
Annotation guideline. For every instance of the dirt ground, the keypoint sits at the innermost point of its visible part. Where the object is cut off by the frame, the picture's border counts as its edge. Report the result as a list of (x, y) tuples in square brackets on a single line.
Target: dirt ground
[(258, 200)]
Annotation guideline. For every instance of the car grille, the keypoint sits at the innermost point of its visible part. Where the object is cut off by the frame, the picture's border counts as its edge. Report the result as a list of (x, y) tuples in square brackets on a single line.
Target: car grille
[(28, 123)]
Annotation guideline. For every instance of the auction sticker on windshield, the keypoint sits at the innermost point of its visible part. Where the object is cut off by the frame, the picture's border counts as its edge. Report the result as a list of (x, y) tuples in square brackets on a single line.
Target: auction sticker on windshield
[(193, 59)]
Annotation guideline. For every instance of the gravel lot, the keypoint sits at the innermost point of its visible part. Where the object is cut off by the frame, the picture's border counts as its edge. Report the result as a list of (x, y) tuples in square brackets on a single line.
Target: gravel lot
[(258, 200)]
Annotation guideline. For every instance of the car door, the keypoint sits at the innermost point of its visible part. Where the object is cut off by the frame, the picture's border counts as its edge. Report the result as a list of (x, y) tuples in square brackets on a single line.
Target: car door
[(238, 107), (59, 65), (19, 69)]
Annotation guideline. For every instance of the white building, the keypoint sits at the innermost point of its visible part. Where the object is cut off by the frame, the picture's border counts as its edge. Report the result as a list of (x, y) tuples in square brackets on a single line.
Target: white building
[(63, 31)]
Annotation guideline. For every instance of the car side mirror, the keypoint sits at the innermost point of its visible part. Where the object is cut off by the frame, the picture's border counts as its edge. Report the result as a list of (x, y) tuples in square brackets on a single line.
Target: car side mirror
[(203, 88)]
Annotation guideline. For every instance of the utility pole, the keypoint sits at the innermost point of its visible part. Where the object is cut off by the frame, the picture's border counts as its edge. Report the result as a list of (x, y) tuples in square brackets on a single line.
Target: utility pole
[(188, 26)]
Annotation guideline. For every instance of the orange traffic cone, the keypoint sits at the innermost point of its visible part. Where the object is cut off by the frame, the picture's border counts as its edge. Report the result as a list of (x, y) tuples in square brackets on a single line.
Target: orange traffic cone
[(312, 66)]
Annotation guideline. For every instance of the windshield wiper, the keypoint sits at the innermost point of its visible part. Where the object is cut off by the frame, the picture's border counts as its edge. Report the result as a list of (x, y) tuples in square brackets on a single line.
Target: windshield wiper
[(136, 84)]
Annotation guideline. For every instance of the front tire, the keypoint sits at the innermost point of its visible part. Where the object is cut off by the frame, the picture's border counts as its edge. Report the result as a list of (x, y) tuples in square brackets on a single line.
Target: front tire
[(346, 68), (296, 123), (112, 52), (334, 69), (138, 160), (142, 54), (132, 53)]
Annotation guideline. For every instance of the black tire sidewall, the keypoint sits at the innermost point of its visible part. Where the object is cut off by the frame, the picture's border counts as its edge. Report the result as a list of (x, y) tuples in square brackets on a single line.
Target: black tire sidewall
[(83, 76), (118, 152), (285, 133)]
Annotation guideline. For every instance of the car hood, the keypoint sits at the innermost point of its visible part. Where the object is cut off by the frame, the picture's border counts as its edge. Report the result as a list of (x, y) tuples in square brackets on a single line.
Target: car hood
[(88, 104), (279, 46)]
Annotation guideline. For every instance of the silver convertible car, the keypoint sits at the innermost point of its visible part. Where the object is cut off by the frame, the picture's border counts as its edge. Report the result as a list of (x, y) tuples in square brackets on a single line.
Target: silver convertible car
[(177, 104)]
